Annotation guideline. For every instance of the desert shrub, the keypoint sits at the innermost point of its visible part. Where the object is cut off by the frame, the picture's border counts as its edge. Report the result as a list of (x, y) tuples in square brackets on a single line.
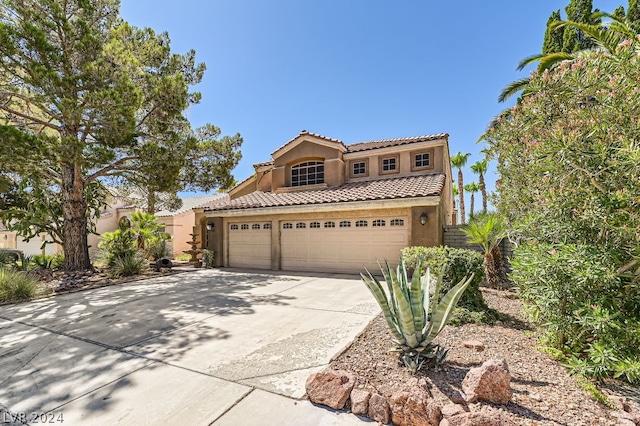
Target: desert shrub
[(590, 311), (16, 286), (131, 264), (157, 248), (455, 264), (208, 258)]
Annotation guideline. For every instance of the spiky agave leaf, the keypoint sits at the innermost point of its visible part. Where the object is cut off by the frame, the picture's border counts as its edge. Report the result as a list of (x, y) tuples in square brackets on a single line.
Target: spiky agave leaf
[(404, 314), (387, 273), (445, 308), (415, 293), (375, 288)]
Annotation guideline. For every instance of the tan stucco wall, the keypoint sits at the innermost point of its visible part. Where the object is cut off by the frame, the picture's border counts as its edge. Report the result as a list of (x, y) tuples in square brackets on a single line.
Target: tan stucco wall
[(430, 234)]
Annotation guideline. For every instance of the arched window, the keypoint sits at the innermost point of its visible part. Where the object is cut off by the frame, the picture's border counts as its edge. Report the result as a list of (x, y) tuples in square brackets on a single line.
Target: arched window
[(345, 224), (329, 224), (307, 173), (255, 226), (397, 222), (301, 225), (266, 226), (378, 222), (314, 225), (361, 224), (287, 225), (244, 226), (234, 226)]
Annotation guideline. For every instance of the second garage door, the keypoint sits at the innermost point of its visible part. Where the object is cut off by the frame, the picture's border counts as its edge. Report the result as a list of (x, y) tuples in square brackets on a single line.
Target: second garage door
[(342, 245)]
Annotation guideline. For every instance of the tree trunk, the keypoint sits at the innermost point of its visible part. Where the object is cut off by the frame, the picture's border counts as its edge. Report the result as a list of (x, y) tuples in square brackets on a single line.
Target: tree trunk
[(461, 197), (493, 279), (473, 202), (498, 265), (483, 191), (74, 207), (151, 202)]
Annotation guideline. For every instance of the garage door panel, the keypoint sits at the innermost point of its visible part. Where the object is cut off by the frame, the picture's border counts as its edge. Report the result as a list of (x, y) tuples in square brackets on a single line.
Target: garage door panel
[(249, 248), (346, 249)]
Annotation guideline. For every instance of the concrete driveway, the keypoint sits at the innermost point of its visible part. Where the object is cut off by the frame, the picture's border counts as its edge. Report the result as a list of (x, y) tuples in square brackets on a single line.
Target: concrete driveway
[(203, 347)]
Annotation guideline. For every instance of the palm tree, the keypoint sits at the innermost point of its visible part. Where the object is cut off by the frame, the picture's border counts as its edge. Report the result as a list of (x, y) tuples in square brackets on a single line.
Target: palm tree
[(459, 161), (480, 168), (605, 37), (472, 188), (488, 230)]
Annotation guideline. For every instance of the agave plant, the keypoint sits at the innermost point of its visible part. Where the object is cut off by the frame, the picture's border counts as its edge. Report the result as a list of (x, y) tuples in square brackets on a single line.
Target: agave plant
[(414, 316)]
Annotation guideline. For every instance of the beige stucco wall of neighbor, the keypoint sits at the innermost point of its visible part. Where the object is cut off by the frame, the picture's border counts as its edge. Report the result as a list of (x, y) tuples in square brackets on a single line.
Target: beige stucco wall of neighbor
[(16, 242), (8, 240)]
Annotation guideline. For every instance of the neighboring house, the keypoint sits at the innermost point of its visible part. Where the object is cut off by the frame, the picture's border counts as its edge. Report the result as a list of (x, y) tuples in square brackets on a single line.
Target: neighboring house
[(179, 223), (11, 240), (321, 205)]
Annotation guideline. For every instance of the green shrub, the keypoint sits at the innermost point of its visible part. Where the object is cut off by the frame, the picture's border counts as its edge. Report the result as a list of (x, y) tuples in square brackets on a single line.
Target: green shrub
[(455, 264), (414, 317), (590, 312), (208, 258), (157, 248), (119, 244), (16, 286), (129, 265)]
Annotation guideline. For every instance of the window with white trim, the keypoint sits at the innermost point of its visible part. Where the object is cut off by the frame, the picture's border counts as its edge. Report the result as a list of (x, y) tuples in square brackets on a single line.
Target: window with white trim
[(359, 168), (307, 173)]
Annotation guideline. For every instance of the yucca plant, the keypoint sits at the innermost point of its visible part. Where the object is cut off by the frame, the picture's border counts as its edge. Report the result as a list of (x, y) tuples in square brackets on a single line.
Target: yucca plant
[(415, 317)]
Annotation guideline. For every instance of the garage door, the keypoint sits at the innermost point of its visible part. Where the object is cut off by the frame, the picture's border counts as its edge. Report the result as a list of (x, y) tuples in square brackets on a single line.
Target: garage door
[(250, 245), (342, 245)]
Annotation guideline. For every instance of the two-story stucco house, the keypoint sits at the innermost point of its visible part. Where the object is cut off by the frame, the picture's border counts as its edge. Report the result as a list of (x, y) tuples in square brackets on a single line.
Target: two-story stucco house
[(321, 205)]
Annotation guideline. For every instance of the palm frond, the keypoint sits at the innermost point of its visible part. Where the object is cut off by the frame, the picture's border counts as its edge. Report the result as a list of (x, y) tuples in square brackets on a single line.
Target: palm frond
[(548, 61), (529, 60), (513, 88)]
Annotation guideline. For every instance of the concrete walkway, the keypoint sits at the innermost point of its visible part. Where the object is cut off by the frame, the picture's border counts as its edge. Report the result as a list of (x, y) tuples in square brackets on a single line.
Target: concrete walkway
[(222, 347)]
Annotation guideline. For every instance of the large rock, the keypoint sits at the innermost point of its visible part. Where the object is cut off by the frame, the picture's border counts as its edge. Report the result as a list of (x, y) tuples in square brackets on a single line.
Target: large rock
[(330, 388), (379, 409), (414, 409), (489, 382), (478, 419), (360, 401)]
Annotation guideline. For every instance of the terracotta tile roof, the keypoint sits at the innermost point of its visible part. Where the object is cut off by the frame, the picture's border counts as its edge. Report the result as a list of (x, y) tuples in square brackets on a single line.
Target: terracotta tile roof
[(266, 163), (384, 143), (194, 203), (304, 132), (382, 189), (222, 199)]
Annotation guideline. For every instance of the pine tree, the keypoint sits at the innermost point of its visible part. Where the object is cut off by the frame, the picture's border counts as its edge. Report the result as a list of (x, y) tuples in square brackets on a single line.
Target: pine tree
[(553, 36), (574, 40)]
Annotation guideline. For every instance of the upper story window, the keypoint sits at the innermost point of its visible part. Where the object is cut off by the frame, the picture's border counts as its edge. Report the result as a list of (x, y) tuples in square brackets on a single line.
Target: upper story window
[(389, 164), (307, 173), (359, 168), (422, 160)]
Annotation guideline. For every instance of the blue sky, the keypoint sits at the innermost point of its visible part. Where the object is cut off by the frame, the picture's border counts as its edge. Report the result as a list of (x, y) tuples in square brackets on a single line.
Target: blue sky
[(354, 70)]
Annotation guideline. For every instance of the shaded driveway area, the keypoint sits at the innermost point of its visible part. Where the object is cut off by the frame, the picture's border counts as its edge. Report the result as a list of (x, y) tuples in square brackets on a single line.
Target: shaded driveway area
[(203, 347)]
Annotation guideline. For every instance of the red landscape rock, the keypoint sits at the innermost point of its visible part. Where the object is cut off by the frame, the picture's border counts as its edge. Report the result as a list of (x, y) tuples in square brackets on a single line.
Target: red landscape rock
[(330, 388), (414, 410), (489, 382), (478, 419), (360, 401), (379, 409), (451, 410), (476, 345)]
